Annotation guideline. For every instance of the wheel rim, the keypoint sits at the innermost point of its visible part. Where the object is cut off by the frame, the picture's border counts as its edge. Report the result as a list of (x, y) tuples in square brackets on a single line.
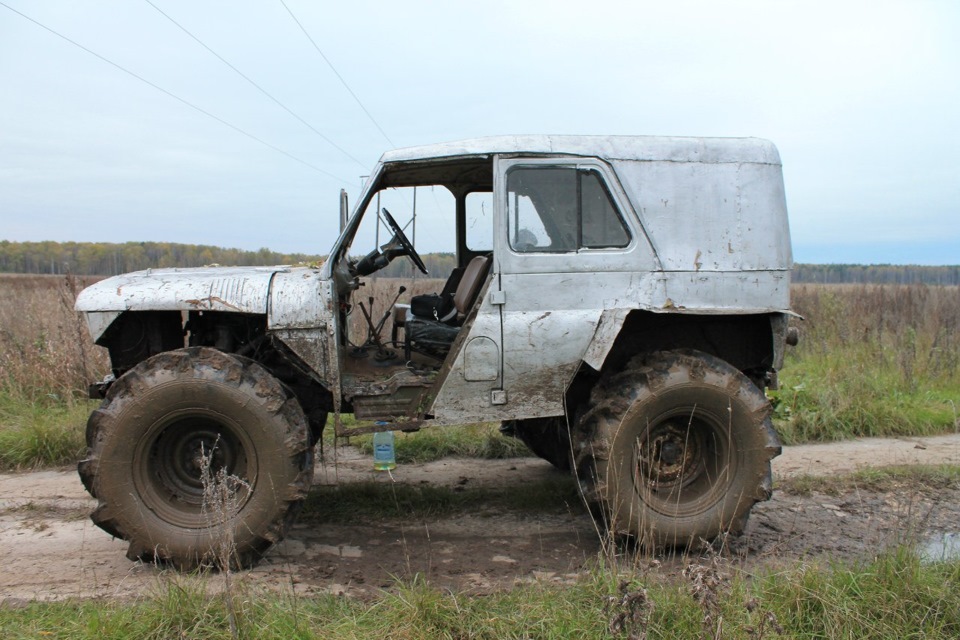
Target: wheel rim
[(169, 467), (682, 462)]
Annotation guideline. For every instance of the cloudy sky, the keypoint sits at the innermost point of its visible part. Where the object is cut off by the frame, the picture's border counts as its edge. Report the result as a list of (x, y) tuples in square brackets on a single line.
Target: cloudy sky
[(862, 99)]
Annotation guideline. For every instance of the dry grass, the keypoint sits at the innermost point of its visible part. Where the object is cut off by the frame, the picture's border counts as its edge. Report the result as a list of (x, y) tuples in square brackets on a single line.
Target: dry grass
[(910, 329), (46, 361), (46, 355)]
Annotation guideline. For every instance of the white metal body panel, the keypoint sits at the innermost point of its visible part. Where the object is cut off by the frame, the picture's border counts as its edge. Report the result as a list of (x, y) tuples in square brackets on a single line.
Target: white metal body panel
[(708, 236), (711, 217), (291, 297), (301, 314), (462, 397), (242, 289), (299, 299)]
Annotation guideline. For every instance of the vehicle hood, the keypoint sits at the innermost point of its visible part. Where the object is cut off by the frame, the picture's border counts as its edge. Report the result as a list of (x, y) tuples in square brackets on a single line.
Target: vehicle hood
[(289, 296), (236, 289)]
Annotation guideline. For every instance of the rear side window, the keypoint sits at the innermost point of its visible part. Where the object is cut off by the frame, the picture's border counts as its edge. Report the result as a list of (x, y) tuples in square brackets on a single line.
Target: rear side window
[(561, 209)]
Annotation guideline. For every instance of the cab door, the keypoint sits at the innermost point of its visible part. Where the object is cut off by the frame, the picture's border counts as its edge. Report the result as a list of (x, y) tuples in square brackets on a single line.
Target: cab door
[(470, 383), (568, 246)]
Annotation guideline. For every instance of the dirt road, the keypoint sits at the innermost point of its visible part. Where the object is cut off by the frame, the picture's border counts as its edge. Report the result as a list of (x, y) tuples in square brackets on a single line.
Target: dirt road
[(50, 550)]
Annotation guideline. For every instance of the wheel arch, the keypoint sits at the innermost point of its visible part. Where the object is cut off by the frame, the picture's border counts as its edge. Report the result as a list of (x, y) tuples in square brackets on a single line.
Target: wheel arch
[(748, 342), (135, 336)]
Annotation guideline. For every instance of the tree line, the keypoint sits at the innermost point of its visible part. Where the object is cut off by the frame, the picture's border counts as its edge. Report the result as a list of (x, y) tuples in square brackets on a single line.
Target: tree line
[(107, 259), (876, 274)]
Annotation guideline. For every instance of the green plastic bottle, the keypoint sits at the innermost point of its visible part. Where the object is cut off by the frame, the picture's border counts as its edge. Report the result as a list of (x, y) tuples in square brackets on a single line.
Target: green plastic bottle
[(384, 458)]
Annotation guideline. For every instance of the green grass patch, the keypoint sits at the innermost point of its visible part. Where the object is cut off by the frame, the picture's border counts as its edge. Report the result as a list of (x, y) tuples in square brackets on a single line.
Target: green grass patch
[(41, 434), (377, 501), (847, 393), (922, 477), (895, 596), (433, 443), (872, 361)]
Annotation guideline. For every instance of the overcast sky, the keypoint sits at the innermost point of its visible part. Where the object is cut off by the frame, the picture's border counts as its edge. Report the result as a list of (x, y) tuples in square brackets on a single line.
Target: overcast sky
[(861, 98)]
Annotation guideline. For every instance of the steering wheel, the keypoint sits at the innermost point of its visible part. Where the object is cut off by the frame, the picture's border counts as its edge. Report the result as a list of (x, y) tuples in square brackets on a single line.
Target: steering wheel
[(405, 243)]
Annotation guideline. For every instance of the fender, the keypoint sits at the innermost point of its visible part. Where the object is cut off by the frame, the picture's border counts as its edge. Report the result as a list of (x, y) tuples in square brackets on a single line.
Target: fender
[(611, 321)]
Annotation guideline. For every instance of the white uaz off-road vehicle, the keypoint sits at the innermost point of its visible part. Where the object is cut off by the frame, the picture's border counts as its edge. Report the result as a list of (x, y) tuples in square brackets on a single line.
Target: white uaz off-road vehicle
[(619, 303)]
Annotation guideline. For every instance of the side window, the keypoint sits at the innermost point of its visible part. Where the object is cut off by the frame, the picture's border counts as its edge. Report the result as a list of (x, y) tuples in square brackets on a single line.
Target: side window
[(561, 209), (479, 221), (602, 226)]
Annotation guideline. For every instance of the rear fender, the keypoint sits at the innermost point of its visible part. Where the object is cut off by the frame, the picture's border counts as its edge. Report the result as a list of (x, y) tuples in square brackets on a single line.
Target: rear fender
[(611, 322)]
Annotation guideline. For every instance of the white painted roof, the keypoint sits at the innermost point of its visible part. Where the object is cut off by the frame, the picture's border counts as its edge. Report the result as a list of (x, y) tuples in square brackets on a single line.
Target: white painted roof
[(650, 148)]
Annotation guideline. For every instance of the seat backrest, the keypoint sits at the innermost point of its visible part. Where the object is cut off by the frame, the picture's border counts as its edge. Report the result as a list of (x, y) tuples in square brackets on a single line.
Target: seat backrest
[(450, 286), (470, 284)]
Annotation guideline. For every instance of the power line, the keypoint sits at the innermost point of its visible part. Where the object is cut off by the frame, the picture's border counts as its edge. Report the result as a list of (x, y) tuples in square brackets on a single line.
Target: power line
[(257, 86), (344, 82), (174, 96)]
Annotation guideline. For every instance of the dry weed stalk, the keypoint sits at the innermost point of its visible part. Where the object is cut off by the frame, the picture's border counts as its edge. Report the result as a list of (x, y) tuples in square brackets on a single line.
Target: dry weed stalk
[(709, 583), (768, 621), (223, 495), (629, 613)]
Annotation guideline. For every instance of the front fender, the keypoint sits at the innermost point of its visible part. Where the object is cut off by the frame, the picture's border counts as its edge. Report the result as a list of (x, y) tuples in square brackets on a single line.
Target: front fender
[(301, 315)]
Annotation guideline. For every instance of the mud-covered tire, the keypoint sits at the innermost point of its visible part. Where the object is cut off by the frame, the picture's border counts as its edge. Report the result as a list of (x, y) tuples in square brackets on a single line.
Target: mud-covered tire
[(145, 442), (676, 448)]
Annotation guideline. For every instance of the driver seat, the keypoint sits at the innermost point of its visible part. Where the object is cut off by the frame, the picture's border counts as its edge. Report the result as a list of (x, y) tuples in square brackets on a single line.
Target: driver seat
[(433, 337)]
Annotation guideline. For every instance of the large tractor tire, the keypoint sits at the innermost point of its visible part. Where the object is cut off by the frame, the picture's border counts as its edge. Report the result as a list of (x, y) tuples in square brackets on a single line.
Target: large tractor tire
[(676, 448), (162, 434)]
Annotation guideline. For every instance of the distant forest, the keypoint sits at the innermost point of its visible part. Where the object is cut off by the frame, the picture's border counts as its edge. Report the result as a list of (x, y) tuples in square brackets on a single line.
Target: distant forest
[(876, 274), (105, 258), (109, 259)]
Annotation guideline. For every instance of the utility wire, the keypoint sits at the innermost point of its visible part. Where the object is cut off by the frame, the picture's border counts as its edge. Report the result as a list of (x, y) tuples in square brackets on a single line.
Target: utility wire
[(344, 82), (257, 86), (174, 96)]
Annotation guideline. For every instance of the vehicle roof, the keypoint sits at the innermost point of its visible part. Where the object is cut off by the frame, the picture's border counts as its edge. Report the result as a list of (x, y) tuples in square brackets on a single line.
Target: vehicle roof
[(649, 148)]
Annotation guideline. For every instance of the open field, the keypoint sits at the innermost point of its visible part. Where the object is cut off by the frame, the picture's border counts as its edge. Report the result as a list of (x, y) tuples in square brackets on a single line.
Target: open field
[(46, 355)]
